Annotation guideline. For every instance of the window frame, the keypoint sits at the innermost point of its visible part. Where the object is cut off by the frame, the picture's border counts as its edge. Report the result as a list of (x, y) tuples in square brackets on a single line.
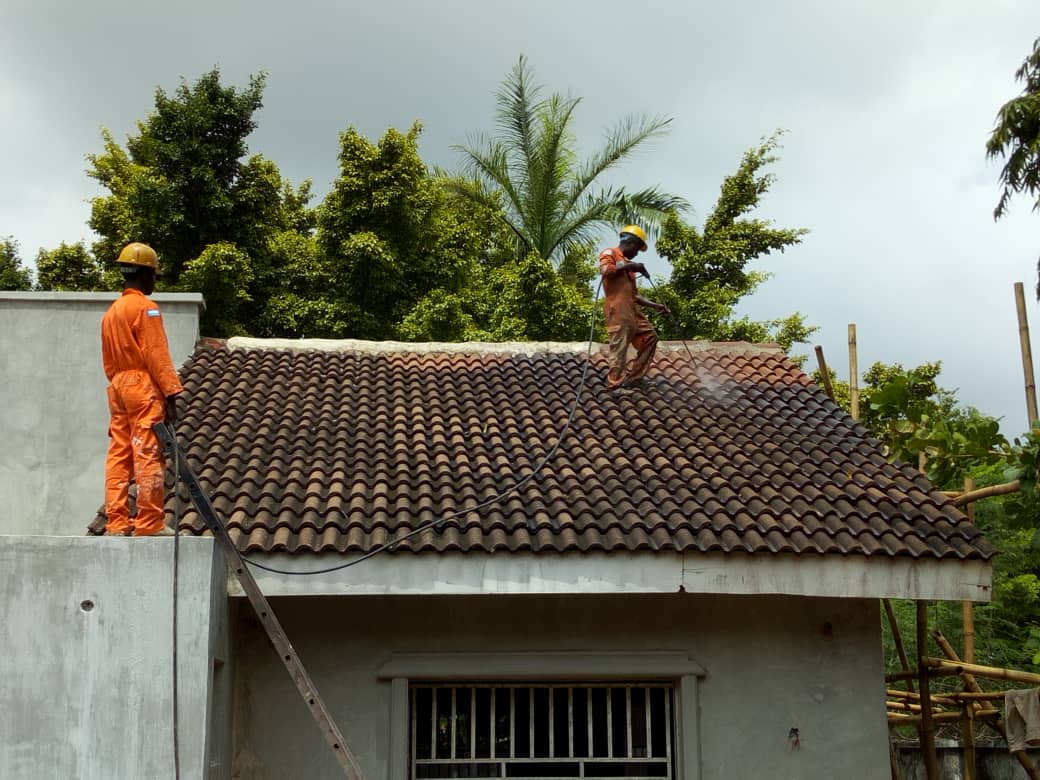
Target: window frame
[(676, 667)]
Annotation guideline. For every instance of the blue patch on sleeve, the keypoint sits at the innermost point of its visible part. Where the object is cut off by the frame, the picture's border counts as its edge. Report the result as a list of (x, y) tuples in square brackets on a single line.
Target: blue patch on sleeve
[(153, 313)]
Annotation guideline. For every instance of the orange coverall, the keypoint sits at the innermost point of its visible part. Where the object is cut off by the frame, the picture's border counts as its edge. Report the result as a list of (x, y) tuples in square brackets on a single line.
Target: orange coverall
[(625, 322), (136, 358)]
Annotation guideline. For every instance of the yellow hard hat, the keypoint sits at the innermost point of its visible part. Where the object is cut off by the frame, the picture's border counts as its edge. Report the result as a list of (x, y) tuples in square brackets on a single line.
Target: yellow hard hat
[(638, 232), (139, 254)]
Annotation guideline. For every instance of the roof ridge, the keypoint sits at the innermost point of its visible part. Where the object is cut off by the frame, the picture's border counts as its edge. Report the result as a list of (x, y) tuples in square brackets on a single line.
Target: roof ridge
[(476, 347)]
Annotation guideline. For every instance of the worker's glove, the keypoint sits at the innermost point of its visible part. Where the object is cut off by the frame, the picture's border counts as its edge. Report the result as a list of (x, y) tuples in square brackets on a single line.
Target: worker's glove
[(171, 410)]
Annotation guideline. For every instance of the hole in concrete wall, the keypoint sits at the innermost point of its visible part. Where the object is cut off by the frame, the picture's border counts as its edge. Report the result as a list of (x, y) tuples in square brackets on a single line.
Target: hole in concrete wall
[(827, 630), (86, 605)]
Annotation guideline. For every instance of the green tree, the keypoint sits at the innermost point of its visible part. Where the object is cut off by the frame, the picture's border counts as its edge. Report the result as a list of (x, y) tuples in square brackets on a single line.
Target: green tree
[(530, 168), (387, 238), (225, 272), (1016, 139), (13, 275), (72, 267), (709, 266), (181, 183), (912, 415), (224, 224)]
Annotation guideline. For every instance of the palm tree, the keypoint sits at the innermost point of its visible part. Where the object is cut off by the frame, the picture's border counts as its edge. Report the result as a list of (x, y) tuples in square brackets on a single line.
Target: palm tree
[(530, 171)]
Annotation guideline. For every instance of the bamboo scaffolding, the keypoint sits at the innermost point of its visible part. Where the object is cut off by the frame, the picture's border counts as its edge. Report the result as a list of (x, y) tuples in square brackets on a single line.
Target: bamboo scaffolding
[(970, 683)]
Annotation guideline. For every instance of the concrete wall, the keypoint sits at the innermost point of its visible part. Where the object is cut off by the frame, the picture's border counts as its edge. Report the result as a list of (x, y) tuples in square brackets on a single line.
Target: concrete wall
[(53, 412), (992, 762), (86, 669), (772, 664)]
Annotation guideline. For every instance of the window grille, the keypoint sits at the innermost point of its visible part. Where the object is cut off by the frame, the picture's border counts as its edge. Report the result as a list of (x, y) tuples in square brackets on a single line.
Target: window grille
[(616, 730)]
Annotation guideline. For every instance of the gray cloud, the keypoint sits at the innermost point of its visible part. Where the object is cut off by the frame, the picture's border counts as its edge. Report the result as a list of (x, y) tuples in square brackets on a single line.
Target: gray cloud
[(887, 104)]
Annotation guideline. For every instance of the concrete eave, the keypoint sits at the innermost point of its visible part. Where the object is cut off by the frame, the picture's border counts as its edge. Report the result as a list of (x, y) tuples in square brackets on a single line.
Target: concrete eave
[(56, 296), (831, 576)]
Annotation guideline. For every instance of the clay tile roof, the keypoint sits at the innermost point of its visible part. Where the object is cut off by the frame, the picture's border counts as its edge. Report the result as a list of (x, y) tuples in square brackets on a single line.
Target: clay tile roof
[(342, 448)]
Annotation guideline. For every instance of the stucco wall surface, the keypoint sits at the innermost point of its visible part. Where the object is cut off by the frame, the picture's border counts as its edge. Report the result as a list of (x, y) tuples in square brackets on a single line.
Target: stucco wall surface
[(86, 672), (772, 663), (53, 410)]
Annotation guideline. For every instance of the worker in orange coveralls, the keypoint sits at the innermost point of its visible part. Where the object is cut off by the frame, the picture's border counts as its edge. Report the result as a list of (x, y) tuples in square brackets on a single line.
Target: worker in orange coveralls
[(621, 305), (142, 392)]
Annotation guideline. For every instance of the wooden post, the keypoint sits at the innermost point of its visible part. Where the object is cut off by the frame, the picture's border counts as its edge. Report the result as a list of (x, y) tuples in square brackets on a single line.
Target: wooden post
[(825, 375), (931, 760), (853, 374), (1027, 353), (967, 611)]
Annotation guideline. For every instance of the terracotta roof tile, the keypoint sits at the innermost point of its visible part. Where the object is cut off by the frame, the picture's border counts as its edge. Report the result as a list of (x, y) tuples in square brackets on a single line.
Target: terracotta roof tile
[(734, 450)]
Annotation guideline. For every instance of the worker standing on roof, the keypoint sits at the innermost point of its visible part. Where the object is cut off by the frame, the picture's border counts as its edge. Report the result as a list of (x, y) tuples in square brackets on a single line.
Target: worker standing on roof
[(621, 306), (142, 392)]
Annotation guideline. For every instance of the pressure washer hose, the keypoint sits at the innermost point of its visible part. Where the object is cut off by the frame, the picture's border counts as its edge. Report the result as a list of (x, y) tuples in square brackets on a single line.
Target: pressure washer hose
[(176, 567), (483, 504)]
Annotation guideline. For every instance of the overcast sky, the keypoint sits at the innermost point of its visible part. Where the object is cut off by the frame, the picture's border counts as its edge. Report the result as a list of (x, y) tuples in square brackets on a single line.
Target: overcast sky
[(887, 106)]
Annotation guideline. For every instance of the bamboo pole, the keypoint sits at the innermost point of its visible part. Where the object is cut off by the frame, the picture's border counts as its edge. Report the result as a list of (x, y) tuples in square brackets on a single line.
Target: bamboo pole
[(969, 682), (978, 670), (939, 717), (825, 375), (944, 699), (986, 492), (893, 762), (905, 705), (968, 614), (969, 696), (1027, 353), (853, 374), (969, 742), (931, 760), (898, 639)]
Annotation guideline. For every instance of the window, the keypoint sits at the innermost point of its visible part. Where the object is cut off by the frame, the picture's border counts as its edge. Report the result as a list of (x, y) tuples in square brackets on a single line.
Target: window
[(541, 730)]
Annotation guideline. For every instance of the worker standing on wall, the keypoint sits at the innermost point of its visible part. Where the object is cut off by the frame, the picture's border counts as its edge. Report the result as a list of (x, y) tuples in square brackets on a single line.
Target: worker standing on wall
[(621, 305), (142, 392)]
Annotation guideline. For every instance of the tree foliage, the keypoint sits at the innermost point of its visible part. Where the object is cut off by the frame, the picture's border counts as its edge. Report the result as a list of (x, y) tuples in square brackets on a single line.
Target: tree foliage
[(911, 414), (1016, 137), (72, 267), (531, 170), (387, 236), (181, 183), (13, 275), (917, 421), (709, 266)]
